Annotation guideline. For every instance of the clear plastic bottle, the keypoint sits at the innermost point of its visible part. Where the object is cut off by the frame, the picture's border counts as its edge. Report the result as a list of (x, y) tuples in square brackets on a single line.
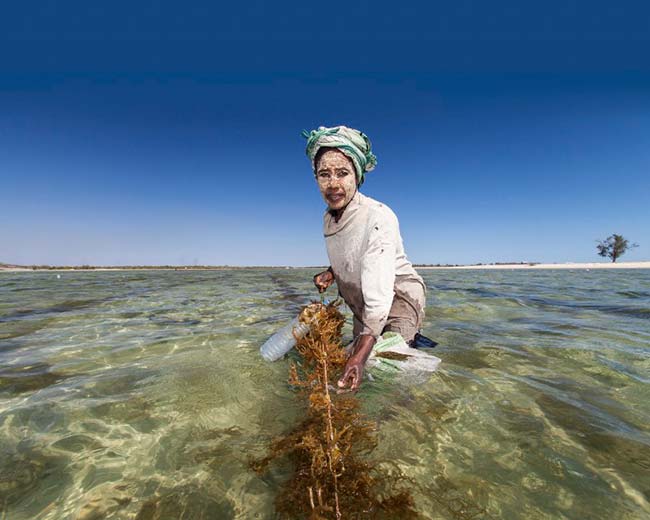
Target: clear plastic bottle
[(283, 341)]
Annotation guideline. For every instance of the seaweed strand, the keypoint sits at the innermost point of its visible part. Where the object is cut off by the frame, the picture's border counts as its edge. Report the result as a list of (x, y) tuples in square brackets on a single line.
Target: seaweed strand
[(332, 477)]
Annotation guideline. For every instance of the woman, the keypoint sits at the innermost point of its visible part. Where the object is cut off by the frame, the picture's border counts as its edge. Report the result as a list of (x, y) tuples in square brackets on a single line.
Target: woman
[(365, 250)]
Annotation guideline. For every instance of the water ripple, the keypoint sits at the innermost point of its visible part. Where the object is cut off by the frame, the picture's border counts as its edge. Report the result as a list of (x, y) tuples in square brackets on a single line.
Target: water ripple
[(142, 395)]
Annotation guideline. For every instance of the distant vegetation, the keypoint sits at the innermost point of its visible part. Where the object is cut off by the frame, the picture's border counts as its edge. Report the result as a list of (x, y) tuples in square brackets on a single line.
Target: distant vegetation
[(86, 267), (465, 265), (614, 246), (140, 267)]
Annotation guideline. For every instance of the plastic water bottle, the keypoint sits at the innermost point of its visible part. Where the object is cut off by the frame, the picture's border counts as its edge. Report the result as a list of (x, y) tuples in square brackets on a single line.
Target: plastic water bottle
[(283, 341)]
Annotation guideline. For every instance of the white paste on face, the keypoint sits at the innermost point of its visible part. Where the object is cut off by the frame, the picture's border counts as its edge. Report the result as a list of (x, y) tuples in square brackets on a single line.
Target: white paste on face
[(336, 178)]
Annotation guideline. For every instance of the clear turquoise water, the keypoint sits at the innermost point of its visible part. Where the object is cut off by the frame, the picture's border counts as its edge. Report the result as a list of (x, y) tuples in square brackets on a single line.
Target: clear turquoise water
[(142, 395)]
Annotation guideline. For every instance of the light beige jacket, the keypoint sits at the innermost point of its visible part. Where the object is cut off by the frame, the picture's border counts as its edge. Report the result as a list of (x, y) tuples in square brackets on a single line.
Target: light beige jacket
[(367, 256)]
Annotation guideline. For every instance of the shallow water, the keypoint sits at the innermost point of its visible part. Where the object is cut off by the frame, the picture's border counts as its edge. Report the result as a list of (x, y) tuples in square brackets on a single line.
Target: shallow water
[(141, 395)]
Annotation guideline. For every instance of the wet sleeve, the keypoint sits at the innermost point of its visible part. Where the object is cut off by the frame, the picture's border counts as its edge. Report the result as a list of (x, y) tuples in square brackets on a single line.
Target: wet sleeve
[(378, 272)]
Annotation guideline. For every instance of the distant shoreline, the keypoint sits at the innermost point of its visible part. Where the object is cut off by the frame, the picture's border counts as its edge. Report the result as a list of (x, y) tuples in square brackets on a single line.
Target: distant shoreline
[(567, 265), (519, 266), (18, 269)]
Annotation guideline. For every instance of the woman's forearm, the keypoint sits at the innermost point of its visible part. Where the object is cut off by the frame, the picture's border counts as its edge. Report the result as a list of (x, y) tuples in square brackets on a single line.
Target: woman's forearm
[(363, 347)]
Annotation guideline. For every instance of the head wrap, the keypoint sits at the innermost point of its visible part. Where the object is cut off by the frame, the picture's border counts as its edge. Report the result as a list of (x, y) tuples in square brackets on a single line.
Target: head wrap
[(351, 142)]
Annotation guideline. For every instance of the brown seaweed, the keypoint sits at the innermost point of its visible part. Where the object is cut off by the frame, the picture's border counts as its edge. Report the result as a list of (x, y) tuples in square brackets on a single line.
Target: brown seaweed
[(333, 476), (392, 355)]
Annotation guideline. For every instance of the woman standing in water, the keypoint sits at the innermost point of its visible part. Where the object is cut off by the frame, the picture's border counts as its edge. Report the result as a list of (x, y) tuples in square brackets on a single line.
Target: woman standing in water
[(364, 245)]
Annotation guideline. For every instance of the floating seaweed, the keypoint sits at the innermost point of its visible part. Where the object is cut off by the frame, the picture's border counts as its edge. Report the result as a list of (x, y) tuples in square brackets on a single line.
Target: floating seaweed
[(392, 355), (333, 477)]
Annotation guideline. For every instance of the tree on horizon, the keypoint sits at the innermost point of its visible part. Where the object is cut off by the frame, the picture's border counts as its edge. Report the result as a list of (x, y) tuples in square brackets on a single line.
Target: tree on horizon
[(614, 246)]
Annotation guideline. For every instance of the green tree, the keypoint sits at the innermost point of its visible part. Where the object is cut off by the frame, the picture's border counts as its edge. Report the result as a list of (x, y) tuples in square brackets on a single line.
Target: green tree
[(614, 246)]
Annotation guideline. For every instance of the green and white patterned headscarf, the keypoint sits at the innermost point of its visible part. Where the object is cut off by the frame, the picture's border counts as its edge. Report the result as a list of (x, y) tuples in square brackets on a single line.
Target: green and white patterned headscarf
[(351, 142)]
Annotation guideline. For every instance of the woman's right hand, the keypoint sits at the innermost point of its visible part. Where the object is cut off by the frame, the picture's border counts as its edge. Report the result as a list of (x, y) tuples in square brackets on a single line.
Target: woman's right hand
[(323, 280)]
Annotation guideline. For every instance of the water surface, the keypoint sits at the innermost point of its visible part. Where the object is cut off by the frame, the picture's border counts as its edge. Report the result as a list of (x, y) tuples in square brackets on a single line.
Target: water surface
[(138, 394)]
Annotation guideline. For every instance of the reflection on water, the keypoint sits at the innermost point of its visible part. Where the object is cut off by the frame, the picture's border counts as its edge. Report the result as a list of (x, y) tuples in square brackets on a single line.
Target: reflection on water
[(142, 395)]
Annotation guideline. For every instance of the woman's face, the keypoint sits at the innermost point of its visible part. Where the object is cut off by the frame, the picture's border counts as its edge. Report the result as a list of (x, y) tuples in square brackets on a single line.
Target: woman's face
[(336, 179)]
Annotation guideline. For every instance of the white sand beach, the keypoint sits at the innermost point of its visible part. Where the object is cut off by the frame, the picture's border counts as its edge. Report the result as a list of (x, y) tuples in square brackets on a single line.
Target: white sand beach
[(567, 265)]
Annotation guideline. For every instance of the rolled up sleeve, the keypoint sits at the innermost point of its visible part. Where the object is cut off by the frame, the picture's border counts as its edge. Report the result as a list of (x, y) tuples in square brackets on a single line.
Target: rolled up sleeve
[(378, 272)]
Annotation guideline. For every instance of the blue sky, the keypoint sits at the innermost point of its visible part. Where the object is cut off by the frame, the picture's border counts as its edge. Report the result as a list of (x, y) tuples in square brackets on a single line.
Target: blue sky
[(155, 133)]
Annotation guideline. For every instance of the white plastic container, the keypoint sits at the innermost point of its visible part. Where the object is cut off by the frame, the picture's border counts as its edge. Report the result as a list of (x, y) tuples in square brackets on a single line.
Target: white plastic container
[(283, 341)]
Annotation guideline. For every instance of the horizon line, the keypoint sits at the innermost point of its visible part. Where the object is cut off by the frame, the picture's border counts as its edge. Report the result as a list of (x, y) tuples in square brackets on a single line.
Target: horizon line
[(89, 267)]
